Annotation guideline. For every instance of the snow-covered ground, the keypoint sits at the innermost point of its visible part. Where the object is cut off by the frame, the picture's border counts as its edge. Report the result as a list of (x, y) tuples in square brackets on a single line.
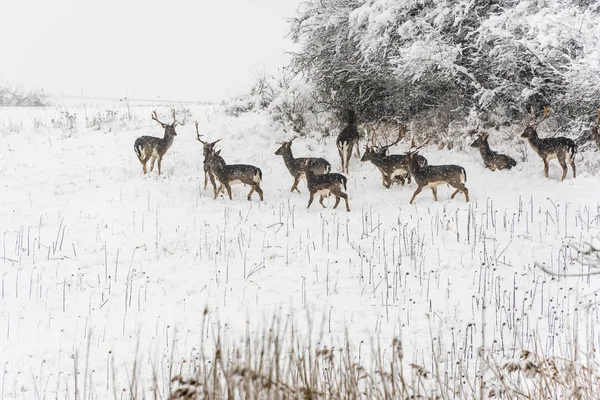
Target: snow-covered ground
[(100, 264)]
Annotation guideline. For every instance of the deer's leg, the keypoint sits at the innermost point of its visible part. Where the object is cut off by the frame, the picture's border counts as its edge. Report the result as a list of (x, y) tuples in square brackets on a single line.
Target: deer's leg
[(144, 167), (545, 167), (295, 185), (572, 162), (357, 150), (415, 194), (159, 163), (563, 165), (228, 187), (152, 160), (434, 190), (250, 194), (337, 199), (259, 191), (341, 153), (218, 190), (348, 157), (321, 201), (459, 188), (345, 197), (310, 199)]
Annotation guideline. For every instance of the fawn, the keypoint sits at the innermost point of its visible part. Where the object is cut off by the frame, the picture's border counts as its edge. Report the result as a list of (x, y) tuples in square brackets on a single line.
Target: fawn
[(325, 185), (299, 166), (230, 174), (491, 159), (561, 148), (433, 175), (153, 148)]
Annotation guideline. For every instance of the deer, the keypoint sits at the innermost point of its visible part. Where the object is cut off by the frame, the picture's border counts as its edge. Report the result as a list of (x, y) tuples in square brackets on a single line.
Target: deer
[(152, 148), (298, 166), (230, 174), (394, 167), (492, 159), (561, 148), (325, 185), (208, 150), (346, 140), (431, 176)]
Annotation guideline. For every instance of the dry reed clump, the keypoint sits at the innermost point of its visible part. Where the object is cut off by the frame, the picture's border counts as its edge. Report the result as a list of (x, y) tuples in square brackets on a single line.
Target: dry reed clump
[(260, 368)]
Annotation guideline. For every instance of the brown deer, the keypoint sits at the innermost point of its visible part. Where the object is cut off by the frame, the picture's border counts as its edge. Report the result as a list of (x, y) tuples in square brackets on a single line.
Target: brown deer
[(230, 174), (346, 140), (153, 148), (298, 166), (394, 167), (325, 185), (433, 175), (491, 159), (208, 150), (561, 148)]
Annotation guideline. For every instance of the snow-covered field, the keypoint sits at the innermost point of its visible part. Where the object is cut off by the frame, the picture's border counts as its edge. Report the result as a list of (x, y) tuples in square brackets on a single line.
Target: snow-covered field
[(101, 265)]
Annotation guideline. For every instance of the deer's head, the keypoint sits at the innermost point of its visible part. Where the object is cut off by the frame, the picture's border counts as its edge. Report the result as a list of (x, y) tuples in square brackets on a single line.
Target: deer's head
[(530, 131), (481, 140), (169, 128), (284, 147)]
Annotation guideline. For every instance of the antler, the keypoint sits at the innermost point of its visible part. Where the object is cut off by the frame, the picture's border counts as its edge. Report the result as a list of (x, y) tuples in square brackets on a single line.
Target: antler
[(198, 134), (547, 113), (401, 132), (155, 117)]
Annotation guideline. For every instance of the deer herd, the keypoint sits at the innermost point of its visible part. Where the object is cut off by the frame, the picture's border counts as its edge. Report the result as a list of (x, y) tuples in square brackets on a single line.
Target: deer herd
[(394, 168)]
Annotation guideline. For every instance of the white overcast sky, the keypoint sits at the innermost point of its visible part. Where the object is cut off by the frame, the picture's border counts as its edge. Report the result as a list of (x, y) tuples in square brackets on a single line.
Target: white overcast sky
[(172, 49)]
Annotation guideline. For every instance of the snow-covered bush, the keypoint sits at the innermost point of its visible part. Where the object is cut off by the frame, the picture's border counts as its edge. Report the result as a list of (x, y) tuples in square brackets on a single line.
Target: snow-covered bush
[(17, 96), (288, 99), (412, 59)]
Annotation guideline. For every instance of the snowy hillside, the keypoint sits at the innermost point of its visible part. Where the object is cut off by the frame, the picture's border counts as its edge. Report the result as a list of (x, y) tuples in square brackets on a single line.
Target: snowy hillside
[(101, 266)]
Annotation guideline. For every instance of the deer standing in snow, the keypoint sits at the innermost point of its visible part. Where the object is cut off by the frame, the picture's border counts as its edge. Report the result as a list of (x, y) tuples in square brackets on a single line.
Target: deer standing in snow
[(561, 148), (298, 166), (347, 140), (151, 148)]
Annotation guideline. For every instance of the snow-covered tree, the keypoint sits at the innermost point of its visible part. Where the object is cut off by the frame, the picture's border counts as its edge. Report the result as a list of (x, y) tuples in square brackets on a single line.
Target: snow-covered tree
[(409, 58)]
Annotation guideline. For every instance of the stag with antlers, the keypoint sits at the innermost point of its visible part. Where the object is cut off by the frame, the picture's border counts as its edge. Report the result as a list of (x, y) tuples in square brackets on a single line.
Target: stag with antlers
[(208, 151), (561, 148), (394, 167), (151, 148)]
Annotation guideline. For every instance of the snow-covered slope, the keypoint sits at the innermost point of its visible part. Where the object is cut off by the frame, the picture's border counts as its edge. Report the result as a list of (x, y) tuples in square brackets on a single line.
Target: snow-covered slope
[(98, 260)]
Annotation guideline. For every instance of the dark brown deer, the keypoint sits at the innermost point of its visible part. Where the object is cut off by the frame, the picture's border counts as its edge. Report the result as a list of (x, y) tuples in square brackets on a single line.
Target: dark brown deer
[(346, 140), (298, 166), (561, 148), (491, 159), (152, 148), (430, 176), (394, 167), (208, 150), (233, 174), (325, 185)]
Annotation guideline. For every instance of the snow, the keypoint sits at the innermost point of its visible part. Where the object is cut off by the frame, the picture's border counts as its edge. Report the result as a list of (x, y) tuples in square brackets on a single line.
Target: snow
[(99, 260)]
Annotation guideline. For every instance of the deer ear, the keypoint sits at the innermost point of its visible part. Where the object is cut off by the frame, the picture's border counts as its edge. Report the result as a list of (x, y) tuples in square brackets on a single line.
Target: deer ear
[(218, 152)]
